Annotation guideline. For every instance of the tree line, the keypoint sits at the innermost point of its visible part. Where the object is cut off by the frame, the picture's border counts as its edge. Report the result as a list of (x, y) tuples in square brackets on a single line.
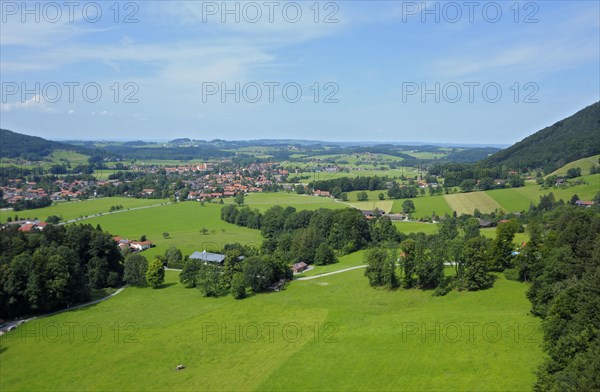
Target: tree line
[(562, 263), (55, 268)]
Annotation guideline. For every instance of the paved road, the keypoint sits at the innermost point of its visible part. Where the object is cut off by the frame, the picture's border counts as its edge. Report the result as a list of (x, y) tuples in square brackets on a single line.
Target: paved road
[(332, 272)]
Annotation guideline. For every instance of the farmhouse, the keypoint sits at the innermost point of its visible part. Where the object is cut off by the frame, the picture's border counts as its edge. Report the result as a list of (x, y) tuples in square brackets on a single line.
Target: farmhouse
[(299, 267), (140, 245), (322, 193), (124, 243), (585, 204), (29, 226), (207, 257), (485, 223), (371, 214)]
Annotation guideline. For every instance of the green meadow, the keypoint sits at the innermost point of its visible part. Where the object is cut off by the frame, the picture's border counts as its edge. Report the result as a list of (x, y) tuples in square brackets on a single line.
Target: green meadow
[(426, 206), (183, 222), (76, 209), (328, 333), (584, 164), (416, 227)]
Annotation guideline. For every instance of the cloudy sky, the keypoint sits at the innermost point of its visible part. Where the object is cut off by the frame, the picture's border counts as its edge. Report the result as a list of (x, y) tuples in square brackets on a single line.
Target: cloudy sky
[(452, 72)]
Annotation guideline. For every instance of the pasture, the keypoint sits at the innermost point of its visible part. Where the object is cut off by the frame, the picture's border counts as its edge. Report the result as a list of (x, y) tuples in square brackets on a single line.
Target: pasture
[(329, 333)]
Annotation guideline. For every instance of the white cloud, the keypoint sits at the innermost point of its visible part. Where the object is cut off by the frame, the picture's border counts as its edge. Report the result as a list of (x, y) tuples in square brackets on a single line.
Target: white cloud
[(37, 102)]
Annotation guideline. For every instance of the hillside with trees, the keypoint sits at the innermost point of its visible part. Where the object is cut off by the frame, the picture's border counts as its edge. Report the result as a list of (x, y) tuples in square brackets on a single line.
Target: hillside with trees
[(575, 137), (33, 148)]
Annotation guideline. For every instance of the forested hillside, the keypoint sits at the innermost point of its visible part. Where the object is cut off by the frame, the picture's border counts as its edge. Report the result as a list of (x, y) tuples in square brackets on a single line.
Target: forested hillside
[(17, 145), (570, 139)]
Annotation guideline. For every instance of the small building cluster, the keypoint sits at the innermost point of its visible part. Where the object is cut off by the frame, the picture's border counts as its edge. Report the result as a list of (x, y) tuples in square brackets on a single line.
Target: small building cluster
[(136, 246)]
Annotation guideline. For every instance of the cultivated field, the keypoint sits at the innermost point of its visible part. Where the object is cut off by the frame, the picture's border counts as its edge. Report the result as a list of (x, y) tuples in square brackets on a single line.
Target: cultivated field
[(465, 203), (333, 332)]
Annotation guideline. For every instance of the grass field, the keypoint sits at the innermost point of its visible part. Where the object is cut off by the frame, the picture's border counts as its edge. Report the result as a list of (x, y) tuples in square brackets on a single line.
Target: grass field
[(183, 222), (331, 333), (384, 205), (584, 164), (426, 206), (76, 209), (416, 227), (465, 203)]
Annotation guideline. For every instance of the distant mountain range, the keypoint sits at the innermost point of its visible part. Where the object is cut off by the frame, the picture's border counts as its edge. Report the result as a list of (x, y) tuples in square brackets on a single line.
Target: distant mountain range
[(575, 137)]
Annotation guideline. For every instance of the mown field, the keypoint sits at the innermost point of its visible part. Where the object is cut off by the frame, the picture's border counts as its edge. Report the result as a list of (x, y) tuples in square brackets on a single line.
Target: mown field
[(330, 333), (465, 203), (78, 209)]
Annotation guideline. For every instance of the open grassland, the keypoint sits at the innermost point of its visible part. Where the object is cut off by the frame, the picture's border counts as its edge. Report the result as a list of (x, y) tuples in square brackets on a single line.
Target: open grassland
[(465, 203), (330, 333), (183, 222), (76, 209), (426, 206), (584, 164)]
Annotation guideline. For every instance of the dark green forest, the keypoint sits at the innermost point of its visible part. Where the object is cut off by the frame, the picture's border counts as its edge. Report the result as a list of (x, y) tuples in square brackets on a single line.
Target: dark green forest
[(575, 137)]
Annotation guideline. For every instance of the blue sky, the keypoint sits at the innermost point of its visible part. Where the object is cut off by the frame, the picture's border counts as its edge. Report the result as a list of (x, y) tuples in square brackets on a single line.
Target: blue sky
[(161, 67)]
